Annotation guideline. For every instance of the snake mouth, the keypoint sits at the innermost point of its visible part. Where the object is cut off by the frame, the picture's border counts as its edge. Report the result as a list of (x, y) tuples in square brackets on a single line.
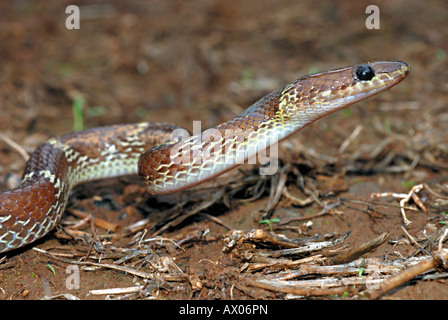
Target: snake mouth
[(389, 74), (395, 69), (372, 78), (405, 68)]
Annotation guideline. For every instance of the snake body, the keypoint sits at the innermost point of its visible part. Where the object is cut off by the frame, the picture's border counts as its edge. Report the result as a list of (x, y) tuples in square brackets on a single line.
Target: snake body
[(169, 164)]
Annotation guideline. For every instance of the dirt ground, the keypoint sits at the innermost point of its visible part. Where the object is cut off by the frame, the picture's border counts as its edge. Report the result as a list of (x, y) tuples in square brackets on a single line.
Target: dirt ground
[(181, 61)]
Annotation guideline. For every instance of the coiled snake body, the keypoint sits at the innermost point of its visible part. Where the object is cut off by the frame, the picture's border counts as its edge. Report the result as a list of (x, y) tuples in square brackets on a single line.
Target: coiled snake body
[(30, 211)]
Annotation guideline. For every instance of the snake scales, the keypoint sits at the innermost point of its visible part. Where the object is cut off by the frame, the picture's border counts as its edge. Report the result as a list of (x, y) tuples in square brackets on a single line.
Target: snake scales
[(31, 210)]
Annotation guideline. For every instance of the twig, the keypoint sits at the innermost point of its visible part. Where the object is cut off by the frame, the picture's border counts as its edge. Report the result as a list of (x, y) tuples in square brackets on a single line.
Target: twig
[(352, 137), (294, 288), (217, 220), (324, 211), (373, 203), (309, 247), (196, 209), (276, 192), (160, 239), (431, 240), (134, 272), (357, 252), (434, 193), (67, 296), (439, 258), (412, 239), (15, 146), (297, 201), (100, 223), (405, 199), (116, 290)]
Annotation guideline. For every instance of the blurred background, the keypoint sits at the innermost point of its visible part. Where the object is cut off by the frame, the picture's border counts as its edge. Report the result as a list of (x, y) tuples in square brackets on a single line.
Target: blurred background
[(178, 61)]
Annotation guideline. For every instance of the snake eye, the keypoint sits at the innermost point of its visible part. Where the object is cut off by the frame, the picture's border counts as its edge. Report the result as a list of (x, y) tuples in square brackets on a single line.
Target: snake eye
[(365, 72)]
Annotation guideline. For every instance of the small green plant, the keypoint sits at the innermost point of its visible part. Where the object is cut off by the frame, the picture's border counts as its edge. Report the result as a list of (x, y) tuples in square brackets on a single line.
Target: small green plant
[(441, 55), (387, 126), (444, 217), (78, 113), (247, 75), (66, 69), (407, 184), (270, 222), (51, 268), (347, 113), (141, 112), (361, 270)]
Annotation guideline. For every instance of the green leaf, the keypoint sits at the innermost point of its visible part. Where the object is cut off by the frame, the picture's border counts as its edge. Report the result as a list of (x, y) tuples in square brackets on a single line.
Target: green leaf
[(51, 268)]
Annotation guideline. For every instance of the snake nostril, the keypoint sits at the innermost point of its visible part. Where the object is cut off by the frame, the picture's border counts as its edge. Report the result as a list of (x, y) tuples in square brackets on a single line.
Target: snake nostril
[(365, 72)]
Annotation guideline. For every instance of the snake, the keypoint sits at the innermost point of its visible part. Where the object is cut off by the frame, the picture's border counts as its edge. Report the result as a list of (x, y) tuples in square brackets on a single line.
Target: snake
[(167, 159)]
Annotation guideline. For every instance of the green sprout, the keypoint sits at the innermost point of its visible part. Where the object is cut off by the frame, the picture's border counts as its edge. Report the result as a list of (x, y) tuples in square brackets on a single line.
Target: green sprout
[(361, 270), (51, 268), (78, 114), (347, 113), (387, 126), (441, 55), (444, 222), (407, 184), (269, 222)]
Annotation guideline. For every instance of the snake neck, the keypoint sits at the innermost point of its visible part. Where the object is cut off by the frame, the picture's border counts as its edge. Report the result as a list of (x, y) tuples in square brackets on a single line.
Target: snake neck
[(177, 165)]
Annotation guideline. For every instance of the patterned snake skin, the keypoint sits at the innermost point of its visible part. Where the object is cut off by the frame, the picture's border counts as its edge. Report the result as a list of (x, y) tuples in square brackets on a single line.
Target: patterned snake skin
[(33, 209)]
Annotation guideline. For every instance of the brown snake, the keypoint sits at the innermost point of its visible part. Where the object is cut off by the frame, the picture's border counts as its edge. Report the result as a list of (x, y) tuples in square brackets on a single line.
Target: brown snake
[(31, 210)]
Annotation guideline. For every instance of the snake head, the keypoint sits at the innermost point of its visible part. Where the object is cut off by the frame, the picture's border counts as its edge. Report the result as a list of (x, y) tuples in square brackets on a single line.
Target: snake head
[(312, 97)]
